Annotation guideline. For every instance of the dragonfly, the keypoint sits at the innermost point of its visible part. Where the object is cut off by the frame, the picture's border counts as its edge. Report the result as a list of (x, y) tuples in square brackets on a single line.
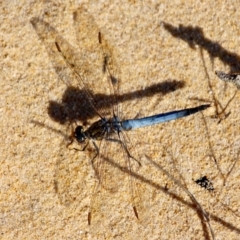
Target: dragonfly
[(105, 127)]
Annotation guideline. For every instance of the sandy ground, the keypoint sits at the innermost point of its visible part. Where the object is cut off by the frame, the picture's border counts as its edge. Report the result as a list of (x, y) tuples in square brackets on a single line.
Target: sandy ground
[(167, 53)]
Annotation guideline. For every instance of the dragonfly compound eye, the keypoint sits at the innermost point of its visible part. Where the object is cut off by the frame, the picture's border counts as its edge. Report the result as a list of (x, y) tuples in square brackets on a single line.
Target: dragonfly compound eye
[(79, 134)]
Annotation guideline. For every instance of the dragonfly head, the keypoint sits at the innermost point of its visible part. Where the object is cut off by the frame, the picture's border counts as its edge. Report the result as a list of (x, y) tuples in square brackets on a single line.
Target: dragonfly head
[(79, 134)]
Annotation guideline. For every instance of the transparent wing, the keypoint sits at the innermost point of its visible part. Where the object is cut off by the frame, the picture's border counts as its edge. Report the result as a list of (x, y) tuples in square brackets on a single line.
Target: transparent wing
[(71, 177), (48, 34), (92, 63), (118, 192), (103, 75)]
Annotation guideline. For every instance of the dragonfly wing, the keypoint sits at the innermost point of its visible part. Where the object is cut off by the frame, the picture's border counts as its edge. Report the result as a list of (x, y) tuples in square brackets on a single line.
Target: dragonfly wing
[(103, 74)]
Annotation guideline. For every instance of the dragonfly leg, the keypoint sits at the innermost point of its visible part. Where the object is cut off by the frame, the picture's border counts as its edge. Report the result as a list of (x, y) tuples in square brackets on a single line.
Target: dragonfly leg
[(93, 160), (83, 149)]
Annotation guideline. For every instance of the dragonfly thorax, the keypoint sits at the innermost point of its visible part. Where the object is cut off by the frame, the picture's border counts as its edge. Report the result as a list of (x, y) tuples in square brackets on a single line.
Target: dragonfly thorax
[(98, 130)]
